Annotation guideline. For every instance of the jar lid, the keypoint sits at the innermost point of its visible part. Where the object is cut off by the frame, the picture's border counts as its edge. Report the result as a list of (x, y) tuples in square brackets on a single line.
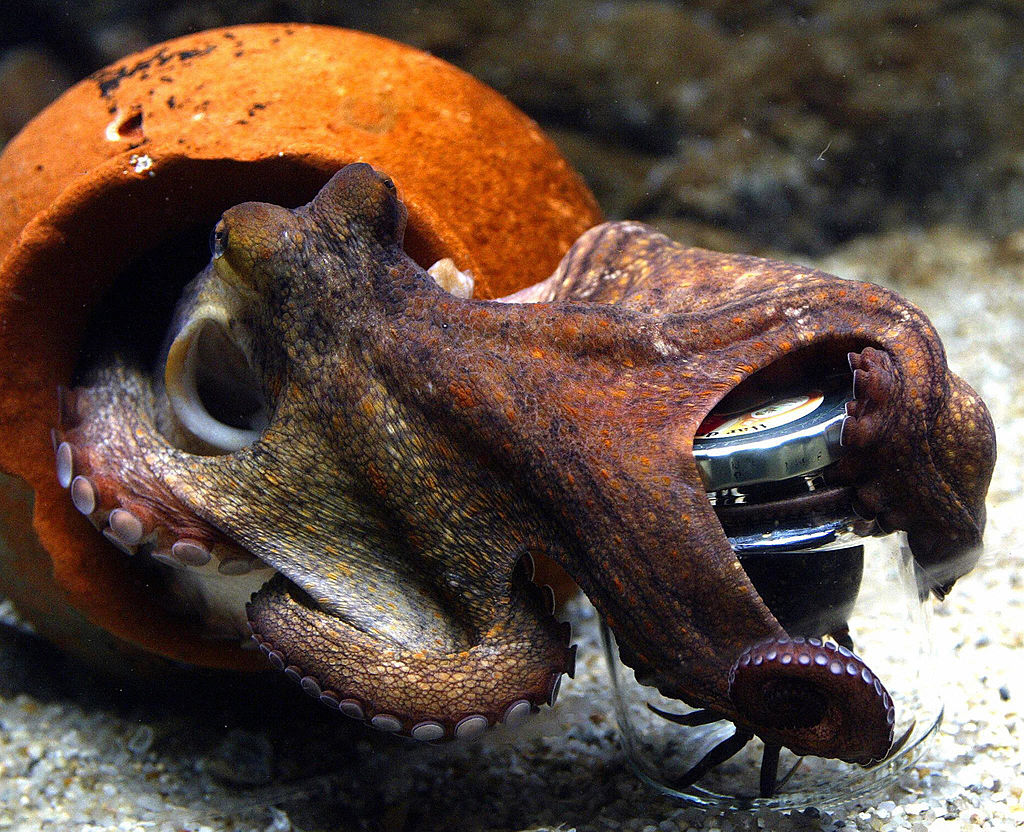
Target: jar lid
[(778, 439)]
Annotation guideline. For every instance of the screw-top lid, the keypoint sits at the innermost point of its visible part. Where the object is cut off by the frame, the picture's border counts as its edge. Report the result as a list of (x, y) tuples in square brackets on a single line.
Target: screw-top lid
[(776, 440)]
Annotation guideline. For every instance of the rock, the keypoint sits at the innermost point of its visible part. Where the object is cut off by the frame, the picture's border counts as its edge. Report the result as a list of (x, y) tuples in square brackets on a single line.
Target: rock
[(30, 78)]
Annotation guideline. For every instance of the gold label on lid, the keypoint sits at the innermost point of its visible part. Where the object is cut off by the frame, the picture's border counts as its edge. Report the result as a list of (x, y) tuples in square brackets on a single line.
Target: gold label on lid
[(770, 415)]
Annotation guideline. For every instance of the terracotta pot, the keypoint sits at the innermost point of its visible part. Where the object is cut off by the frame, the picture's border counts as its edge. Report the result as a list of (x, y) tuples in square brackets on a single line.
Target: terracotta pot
[(141, 158)]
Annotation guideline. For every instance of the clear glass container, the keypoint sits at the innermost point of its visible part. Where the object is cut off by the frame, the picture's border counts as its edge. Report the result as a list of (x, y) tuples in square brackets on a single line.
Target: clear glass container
[(838, 581)]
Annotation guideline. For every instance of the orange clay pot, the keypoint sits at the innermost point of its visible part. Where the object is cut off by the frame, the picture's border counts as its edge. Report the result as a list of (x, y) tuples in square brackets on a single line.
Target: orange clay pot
[(152, 149)]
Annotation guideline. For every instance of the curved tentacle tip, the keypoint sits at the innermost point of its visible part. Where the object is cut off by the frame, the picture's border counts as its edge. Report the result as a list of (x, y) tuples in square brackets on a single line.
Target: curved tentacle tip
[(923, 447), (424, 729), (873, 392), (814, 698), (493, 682)]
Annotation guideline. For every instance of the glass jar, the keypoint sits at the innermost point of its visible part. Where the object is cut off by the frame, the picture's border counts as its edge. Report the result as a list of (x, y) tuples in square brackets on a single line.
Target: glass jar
[(825, 574)]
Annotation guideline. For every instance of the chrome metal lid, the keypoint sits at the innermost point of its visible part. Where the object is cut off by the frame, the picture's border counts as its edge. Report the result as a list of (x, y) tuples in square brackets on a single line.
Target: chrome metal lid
[(777, 440)]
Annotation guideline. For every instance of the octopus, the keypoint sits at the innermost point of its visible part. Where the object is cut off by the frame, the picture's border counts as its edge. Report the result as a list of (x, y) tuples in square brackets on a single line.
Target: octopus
[(358, 466)]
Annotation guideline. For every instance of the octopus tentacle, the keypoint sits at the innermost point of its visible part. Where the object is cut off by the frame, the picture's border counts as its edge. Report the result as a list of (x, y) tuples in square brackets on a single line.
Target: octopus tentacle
[(813, 697), (729, 747), (506, 674), (99, 461), (921, 476), (922, 440), (769, 769), (701, 716), (491, 669)]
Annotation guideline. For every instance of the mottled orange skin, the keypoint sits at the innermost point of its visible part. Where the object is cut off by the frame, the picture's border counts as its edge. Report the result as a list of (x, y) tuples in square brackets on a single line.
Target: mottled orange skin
[(421, 443), (926, 438)]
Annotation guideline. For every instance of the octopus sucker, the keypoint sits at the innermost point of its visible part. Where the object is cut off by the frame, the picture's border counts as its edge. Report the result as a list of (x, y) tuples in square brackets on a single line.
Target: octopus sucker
[(190, 553), (83, 494), (341, 454), (65, 464), (126, 527)]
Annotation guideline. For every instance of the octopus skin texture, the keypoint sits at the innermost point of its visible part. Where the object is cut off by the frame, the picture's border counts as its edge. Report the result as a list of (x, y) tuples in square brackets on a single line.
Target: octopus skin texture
[(374, 460)]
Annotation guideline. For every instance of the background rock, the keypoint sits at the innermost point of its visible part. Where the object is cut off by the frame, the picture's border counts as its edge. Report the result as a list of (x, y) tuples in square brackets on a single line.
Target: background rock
[(795, 126)]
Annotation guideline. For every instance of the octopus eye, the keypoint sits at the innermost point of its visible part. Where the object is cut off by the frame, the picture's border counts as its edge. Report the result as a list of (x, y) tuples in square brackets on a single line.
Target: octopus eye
[(218, 241), (389, 184)]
